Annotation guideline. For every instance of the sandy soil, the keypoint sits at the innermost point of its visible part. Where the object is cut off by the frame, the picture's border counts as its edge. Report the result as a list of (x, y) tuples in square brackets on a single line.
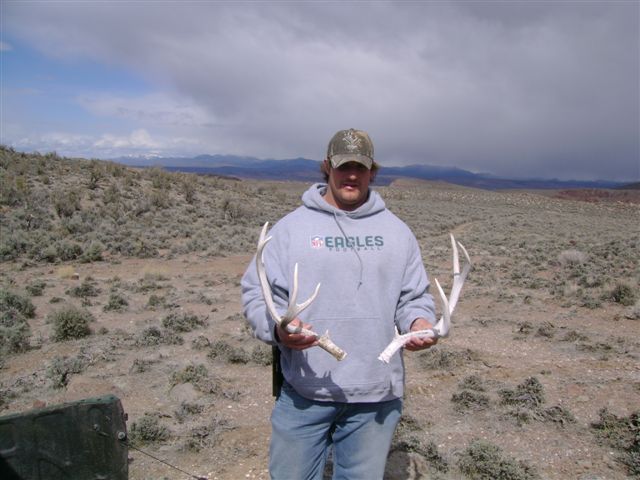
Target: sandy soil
[(522, 315), (582, 380)]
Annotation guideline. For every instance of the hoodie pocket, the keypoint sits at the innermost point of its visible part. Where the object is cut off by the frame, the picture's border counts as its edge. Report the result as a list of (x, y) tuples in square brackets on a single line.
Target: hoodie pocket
[(363, 338)]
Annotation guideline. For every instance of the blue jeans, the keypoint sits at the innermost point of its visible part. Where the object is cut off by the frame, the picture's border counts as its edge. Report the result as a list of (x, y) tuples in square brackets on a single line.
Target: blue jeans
[(303, 431)]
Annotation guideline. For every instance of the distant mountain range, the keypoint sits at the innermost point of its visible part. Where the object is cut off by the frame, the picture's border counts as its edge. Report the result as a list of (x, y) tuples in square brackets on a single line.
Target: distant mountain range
[(302, 169)]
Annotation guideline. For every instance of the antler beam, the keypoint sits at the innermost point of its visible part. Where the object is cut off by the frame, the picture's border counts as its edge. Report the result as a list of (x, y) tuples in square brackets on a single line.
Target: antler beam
[(294, 309), (441, 329)]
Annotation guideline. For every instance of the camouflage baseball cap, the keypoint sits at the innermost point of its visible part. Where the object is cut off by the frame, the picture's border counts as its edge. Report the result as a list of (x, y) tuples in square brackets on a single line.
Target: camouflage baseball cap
[(350, 146)]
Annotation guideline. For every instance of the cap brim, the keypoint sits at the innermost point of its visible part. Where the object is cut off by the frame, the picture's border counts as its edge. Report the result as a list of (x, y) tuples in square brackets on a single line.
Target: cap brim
[(341, 159)]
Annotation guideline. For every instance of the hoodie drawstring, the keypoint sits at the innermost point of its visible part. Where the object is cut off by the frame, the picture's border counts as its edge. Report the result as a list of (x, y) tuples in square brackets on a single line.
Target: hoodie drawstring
[(353, 249)]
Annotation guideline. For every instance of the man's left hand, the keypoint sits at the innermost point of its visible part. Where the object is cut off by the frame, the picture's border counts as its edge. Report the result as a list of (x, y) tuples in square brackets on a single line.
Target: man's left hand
[(420, 343)]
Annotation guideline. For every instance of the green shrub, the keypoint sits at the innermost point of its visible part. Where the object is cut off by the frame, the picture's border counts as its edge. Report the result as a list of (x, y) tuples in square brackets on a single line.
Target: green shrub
[(469, 400), (407, 425), (12, 245), (546, 329), (429, 452), (14, 332), (442, 358), (234, 212), (148, 430), (61, 368), (239, 356), (187, 409), (262, 355), (188, 188), (574, 336), (200, 343), (622, 434), (116, 303), (10, 194), (68, 250), (111, 195), (160, 179), (10, 300), (36, 287), (93, 252), (150, 336), (138, 247), (116, 170), (66, 203), (79, 223), (529, 393), (182, 322), (472, 382), (48, 254), (153, 336), (623, 294), (70, 322), (588, 301), (149, 282), (557, 414), (140, 365), (96, 173), (86, 289), (206, 436), (571, 258), (156, 301), (190, 374), (198, 376), (160, 199), (484, 461), (223, 351), (219, 349)]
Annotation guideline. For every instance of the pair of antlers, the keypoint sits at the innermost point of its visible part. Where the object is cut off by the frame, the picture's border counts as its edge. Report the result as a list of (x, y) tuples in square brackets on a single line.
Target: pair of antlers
[(441, 329)]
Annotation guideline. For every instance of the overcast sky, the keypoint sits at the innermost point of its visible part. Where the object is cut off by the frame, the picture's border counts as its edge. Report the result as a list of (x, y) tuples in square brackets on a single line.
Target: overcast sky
[(517, 89)]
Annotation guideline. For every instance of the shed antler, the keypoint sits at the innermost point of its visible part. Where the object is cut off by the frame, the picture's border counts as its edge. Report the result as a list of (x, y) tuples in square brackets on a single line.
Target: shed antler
[(294, 309), (441, 329)]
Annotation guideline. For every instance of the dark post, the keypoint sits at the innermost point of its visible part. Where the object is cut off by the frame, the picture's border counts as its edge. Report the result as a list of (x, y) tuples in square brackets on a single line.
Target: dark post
[(79, 440)]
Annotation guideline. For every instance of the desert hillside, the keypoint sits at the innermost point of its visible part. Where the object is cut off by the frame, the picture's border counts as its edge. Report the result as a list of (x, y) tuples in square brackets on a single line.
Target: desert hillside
[(126, 281)]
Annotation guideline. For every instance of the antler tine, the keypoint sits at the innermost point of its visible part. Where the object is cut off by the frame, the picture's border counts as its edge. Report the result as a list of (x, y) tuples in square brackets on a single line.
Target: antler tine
[(262, 275), (444, 324), (456, 260), (460, 277), (293, 295), (293, 309)]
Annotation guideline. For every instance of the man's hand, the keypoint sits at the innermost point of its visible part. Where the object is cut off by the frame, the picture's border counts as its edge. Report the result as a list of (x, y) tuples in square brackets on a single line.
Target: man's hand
[(420, 343), (295, 341)]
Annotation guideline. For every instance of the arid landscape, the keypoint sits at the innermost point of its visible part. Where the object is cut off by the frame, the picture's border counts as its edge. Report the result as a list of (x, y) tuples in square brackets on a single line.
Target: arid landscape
[(125, 281)]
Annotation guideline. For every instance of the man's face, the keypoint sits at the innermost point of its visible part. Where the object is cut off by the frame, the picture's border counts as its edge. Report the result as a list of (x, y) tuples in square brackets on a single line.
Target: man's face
[(348, 185)]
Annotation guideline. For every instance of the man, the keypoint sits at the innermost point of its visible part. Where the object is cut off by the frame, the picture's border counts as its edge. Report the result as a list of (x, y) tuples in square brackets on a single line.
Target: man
[(372, 282)]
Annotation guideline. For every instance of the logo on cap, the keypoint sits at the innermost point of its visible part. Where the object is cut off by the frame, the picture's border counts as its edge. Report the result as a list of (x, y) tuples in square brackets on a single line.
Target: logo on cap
[(352, 141)]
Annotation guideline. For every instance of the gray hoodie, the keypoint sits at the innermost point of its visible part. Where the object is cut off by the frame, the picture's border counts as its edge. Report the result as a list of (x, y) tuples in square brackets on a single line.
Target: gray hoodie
[(372, 282)]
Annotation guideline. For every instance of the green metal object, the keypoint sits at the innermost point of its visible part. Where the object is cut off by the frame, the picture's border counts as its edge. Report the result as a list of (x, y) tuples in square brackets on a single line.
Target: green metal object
[(83, 440)]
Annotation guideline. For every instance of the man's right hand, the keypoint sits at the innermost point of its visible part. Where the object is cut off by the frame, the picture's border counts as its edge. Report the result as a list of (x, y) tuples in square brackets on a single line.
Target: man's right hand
[(295, 341)]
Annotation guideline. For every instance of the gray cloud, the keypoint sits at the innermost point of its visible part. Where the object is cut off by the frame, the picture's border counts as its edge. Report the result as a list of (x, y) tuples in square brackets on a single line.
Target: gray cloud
[(516, 89)]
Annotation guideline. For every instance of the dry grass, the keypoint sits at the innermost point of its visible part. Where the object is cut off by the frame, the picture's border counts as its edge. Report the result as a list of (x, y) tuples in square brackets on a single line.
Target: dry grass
[(545, 335)]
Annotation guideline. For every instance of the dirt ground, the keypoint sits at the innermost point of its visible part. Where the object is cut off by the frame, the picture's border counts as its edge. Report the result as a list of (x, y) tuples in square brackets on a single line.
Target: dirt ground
[(585, 358)]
